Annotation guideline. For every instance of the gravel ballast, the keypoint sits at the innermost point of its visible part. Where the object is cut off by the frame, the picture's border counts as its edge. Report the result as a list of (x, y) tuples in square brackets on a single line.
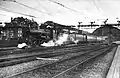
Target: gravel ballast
[(6, 71), (96, 68), (52, 70)]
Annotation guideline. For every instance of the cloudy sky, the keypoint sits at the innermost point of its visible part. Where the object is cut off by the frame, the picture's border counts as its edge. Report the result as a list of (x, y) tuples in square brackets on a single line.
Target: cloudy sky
[(68, 12)]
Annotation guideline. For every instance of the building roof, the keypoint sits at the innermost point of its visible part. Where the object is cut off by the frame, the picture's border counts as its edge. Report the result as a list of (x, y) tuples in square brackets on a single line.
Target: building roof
[(105, 31)]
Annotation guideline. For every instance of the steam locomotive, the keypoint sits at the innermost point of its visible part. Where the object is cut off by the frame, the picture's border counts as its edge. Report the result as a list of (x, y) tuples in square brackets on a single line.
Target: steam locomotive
[(48, 32)]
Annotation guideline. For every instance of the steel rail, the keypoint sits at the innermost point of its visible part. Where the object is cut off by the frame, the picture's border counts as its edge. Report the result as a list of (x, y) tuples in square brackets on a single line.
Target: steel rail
[(25, 71), (83, 61), (8, 61)]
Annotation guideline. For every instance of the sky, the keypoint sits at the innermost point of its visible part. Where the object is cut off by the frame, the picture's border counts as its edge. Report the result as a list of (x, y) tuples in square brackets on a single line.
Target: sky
[(66, 12)]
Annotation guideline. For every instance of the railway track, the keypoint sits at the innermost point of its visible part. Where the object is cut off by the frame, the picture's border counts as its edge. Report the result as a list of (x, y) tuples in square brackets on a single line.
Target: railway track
[(60, 67), (17, 59), (7, 48), (92, 56), (38, 49)]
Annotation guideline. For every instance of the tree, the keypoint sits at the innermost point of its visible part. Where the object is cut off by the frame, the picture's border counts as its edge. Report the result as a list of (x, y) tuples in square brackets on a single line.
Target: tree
[(24, 22)]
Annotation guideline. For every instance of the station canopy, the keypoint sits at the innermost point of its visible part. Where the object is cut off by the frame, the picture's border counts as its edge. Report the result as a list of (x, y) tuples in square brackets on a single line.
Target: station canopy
[(105, 31)]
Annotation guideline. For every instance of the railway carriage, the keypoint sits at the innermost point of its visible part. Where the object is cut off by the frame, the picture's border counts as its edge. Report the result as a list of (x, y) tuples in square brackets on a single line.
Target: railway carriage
[(82, 38)]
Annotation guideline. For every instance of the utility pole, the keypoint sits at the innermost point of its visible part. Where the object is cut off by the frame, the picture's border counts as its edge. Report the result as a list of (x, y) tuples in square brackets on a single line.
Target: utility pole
[(109, 31), (92, 23), (79, 25)]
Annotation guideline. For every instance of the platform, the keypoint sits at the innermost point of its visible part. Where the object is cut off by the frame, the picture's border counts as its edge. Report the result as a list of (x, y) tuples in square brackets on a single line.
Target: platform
[(114, 71)]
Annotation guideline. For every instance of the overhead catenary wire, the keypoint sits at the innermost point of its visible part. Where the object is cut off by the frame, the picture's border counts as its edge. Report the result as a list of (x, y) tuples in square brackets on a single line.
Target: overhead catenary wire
[(3, 14), (40, 4), (65, 6), (28, 6), (6, 9), (96, 5), (45, 12)]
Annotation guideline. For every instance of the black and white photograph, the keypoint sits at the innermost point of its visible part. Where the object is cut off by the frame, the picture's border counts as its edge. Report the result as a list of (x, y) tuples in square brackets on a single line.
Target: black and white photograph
[(59, 38)]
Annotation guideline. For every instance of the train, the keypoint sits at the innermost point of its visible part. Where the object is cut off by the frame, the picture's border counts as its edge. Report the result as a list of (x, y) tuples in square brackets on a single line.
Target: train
[(51, 34), (84, 38), (48, 32)]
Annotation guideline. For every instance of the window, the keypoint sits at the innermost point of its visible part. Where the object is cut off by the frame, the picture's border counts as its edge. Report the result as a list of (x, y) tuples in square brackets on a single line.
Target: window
[(19, 32), (11, 34)]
